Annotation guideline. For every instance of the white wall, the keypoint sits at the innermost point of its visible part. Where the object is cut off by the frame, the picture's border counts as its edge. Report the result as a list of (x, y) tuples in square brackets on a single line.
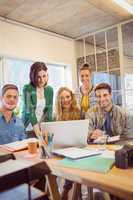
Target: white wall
[(25, 43)]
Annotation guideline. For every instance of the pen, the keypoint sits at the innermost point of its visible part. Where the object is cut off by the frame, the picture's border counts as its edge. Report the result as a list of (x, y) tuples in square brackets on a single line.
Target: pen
[(45, 140), (50, 138), (42, 140)]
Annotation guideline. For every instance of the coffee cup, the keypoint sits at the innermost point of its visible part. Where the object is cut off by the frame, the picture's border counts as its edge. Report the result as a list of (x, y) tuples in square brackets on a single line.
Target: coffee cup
[(32, 145)]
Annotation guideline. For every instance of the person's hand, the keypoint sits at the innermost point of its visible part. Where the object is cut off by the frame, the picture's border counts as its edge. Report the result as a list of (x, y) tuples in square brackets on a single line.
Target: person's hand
[(37, 130), (85, 89), (42, 136), (96, 134), (45, 136)]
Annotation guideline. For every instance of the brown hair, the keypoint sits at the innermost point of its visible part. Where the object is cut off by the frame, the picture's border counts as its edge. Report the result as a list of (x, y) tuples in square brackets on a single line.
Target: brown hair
[(34, 69), (85, 66), (103, 86), (73, 114), (7, 87)]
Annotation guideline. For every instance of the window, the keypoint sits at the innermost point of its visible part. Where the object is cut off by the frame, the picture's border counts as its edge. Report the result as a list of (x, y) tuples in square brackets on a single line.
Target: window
[(16, 71), (112, 79), (129, 91)]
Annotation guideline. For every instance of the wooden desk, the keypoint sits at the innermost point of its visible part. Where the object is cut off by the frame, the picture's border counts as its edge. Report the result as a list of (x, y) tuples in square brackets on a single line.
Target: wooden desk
[(117, 182), (51, 179)]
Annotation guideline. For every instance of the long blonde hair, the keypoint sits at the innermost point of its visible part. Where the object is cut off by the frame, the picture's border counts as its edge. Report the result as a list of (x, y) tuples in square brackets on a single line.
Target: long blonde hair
[(73, 114)]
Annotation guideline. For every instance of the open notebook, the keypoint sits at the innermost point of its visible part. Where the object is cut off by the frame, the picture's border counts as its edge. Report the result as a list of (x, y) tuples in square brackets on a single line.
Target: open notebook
[(76, 153), (16, 146)]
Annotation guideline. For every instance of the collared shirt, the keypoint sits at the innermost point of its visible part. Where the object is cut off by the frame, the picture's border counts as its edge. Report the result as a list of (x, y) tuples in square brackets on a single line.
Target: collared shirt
[(91, 99), (97, 118), (11, 131)]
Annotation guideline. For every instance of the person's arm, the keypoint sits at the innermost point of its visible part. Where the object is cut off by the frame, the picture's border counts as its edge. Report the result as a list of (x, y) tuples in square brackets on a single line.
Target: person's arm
[(20, 129), (129, 125), (95, 134), (94, 131), (91, 126), (126, 124), (28, 113)]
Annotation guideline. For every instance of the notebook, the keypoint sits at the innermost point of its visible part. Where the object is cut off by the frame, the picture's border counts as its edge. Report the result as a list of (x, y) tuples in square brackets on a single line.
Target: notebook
[(16, 146), (76, 153), (67, 133), (94, 163)]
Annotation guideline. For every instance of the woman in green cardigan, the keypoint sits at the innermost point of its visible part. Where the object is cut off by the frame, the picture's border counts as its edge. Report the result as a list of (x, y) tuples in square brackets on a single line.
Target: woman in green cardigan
[(37, 99)]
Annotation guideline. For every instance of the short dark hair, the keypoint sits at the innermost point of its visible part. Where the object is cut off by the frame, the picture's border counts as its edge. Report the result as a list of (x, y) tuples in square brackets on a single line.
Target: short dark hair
[(34, 69), (103, 86), (85, 66), (9, 86)]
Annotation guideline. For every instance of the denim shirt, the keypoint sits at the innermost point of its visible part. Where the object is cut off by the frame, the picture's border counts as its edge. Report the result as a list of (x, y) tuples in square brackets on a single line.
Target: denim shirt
[(11, 131)]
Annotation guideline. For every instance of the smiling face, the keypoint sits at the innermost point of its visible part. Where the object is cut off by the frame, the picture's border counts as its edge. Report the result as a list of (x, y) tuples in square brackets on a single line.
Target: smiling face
[(42, 78), (66, 99), (10, 99), (85, 76), (104, 98)]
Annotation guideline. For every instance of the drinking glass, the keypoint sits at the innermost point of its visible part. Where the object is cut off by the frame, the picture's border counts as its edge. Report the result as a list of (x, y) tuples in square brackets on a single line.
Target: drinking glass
[(103, 140)]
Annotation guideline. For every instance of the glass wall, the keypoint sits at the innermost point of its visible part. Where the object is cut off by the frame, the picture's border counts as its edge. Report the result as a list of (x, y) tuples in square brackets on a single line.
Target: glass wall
[(127, 36), (102, 53)]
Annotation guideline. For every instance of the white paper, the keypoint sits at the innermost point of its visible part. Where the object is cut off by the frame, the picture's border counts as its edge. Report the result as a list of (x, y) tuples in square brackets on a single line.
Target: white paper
[(18, 145), (76, 153)]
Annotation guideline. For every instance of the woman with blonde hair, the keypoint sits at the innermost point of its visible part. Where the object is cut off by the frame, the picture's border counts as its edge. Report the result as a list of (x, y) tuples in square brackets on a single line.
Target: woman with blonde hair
[(66, 105), (66, 109)]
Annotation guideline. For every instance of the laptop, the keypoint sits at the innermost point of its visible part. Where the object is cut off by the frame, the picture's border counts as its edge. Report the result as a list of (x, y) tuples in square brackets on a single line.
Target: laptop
[(69, 137), (67, 133)]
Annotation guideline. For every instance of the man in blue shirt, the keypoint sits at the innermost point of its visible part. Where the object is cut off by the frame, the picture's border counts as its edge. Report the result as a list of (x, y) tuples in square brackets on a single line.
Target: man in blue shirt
[(11, 127)]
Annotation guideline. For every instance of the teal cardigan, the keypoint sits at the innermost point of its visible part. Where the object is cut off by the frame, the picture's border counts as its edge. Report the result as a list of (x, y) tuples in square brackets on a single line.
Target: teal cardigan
[(30, 101)]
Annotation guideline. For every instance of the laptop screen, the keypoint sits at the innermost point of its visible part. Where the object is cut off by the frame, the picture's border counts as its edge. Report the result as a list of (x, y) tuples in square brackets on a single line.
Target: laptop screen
[(67, 133)]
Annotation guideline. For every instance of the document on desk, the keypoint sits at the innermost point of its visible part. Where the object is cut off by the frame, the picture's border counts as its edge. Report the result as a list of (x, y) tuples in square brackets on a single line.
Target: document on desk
[(94, 163), (16, 146), (76, 153)]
